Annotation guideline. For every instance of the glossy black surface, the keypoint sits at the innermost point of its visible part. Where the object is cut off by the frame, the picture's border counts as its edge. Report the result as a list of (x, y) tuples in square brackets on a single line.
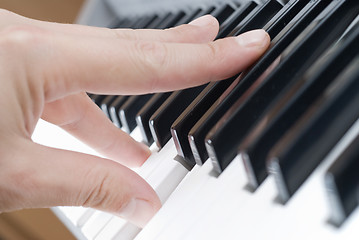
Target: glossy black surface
[(237, 17), (191, 16), (192, 114), (292, 104), (223, 12), (264, 14), (129, 110), (148, 21), (305, 145), (114, 109), (162, 119), (342, 181), (157, 23), (279, 43), (284, 16), (172, 20), (97, 99), (146, 112), (106, 103), (242, 116), (208, 96)]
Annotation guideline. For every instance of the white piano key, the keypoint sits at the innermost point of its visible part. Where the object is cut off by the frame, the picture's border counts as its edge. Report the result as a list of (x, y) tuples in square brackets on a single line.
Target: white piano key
[(201, 204), (85, 217), (167, 152), (165, 178), (73, 213), (230, 203), (177, 201), (129, 231), (95, 223), (111, 229), (136, 134)]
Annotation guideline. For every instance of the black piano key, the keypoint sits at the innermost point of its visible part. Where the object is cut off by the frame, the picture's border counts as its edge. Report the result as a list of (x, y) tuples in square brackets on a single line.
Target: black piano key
[(139, 23), (264, 13), (200, 105), (190, 16), (114, 110), (106, 103), (279, 43), (208, 10), (147, 21), (236, 18), (146, 112), (156, 24), (304, 146), (183, 124), (172, 20), (162, 119), (122, 23), (284, 16), (129, 110), (240, 118), (97, 99), (273, 125), (342, 181), (196, 14), (223, 12)]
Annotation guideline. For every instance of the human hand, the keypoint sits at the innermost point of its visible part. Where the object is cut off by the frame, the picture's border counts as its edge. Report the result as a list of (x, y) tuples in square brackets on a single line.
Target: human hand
[(45, 70)]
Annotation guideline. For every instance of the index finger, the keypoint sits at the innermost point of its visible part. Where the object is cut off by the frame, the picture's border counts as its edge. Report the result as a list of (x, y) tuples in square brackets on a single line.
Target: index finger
[(136, 67)]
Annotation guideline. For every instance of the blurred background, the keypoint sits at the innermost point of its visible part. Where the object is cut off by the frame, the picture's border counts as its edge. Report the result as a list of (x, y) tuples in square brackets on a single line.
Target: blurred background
[(49, 10), (38, 224)]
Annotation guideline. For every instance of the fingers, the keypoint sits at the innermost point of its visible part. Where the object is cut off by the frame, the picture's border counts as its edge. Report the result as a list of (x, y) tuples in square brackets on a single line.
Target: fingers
[(136, 67), (203, 29), (79, 116), (39, 176)]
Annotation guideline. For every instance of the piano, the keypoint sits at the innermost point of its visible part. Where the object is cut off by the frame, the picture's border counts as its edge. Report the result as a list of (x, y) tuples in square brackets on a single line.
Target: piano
[(271, 153)]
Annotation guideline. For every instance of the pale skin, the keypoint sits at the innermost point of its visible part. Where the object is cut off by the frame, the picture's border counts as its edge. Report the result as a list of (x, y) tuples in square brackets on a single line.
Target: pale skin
[(45, 70)]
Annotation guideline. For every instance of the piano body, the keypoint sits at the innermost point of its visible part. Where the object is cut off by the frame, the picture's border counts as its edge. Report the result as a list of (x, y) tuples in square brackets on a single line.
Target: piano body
[(271, 153)]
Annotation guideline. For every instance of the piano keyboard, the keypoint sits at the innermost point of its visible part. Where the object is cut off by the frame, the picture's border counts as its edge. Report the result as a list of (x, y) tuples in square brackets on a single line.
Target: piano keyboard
[(271, 153)]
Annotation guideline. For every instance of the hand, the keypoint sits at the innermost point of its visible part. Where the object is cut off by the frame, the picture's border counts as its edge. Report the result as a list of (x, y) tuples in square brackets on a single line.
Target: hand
[(45, 69)]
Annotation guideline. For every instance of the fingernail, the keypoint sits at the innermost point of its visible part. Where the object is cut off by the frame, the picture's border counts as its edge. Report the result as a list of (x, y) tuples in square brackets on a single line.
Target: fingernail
[(202, 21), (138, 211), (256, 38)]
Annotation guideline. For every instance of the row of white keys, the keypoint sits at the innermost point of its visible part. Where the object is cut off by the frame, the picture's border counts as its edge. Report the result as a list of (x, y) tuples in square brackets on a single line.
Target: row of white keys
[(73, 213), (200, 203), (230, 203), (236, 204), (96, 222)]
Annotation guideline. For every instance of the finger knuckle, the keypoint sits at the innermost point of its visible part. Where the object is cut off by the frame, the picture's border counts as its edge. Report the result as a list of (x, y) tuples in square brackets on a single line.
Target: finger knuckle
[(22, 38)]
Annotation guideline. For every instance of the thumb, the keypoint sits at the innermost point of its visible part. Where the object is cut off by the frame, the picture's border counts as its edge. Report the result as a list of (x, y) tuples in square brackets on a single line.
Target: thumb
[(43, 177)]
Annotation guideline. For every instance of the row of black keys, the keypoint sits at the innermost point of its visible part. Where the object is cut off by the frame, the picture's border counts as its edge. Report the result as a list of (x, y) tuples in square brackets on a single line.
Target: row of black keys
[(283, 115)]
